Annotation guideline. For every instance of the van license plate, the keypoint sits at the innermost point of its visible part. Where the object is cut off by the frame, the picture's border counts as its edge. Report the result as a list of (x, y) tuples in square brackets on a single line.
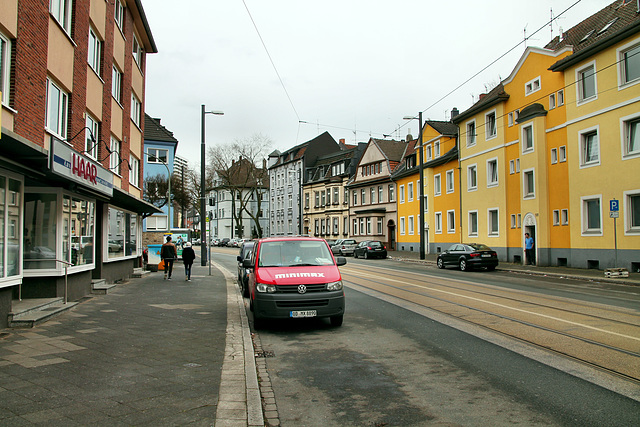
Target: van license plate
[(306, 313)]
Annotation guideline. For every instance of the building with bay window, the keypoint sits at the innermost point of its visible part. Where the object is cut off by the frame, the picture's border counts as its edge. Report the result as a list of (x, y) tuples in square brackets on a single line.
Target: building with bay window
[(71, 146)]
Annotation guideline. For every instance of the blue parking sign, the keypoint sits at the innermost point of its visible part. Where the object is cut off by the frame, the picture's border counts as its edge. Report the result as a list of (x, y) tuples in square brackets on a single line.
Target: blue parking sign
[(614, 205)]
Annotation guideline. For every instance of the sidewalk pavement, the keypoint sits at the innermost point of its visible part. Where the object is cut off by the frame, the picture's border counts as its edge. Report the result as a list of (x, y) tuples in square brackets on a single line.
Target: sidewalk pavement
[(154, 352), (150, 352), (560, 272)]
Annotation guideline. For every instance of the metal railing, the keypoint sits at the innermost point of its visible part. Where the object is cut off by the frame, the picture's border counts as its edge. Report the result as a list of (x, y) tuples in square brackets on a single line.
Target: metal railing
[(66, 270)]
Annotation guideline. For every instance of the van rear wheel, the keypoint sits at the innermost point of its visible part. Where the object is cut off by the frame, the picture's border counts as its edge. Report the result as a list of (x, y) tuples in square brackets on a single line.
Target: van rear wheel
[(336, 320)]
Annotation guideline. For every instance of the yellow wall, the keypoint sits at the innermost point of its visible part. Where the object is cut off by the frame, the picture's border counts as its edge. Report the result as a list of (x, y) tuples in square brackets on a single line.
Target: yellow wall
[(410, 207)]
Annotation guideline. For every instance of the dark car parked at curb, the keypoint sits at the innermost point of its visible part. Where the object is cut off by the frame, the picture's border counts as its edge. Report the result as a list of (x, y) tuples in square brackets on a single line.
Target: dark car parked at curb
[(245, 253), (370, 249), (468, 256)]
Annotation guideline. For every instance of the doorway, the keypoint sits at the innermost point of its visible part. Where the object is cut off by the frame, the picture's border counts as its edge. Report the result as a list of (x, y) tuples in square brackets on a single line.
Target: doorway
[(530, 227)]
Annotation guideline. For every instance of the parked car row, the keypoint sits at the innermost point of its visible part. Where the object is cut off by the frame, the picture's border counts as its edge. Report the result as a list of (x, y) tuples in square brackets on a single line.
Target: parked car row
[(231, 243)]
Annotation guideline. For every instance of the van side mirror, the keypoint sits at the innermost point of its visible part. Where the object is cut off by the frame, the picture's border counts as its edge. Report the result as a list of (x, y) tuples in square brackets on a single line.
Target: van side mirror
[(239, 258), (247, 263), (340, 260)]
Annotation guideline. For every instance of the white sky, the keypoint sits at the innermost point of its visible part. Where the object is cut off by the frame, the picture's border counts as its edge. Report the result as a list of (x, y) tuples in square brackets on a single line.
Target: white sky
[(354, 68)]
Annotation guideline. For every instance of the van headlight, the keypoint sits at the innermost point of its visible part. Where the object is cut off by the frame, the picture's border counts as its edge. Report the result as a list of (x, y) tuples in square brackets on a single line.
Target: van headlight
[(264, 288), (335, 286)]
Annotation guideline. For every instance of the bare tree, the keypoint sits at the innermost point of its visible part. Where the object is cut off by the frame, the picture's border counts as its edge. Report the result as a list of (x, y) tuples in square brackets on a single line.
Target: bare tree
[(156, 188), (238, 169)]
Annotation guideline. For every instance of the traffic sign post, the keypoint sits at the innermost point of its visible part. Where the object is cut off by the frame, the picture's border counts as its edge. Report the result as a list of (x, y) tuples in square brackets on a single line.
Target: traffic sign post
[(614, 212)]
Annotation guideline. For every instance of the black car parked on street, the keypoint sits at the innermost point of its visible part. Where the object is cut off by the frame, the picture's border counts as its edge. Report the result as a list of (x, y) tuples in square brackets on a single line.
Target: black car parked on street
[(245, 252), (370, 249), (468, 256)]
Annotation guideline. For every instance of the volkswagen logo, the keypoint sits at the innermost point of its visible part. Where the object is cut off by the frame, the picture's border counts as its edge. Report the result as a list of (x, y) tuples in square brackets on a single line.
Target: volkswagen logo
[(302, 289)]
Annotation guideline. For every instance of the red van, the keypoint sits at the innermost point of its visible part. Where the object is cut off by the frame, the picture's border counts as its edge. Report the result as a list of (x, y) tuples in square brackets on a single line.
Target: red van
[(295, 277)]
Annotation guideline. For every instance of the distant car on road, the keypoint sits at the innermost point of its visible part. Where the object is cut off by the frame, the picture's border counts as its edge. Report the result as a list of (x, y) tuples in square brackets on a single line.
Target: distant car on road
[(344, 247), (370, 249), (215, 242), (224, 242), (468, 256)]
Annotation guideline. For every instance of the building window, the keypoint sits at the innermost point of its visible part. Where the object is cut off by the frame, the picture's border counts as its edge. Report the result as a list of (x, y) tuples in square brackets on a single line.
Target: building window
[(586, 79), (336, 195), (380, 194), (517, 165), (438, 222), (564, 216), (114, 157), (527, 138), (532, 86), (589, 148), (355, 198), (137, 51), (436, 185), (346, 196), (513, 221), (95, 51), (473, 223), (323, 198), (5, 67), (472, 178), (379, 226), (158, 155), (556, 217), (306, 200), (591, 215), (490, 123), (119, 14), (471, 134), (11, 196), (510, 119), (373, 195), (123, 232), (562, 153), (560, 97), (335, 225), (116, 84), (362, 229), (451, 221), (402, 226), (429, 152), (61, 12), (436, 149), (410, 191), (392, 197), (355, 227), (494, 223), (134, 173), (450, 181), (345, 225), (519, 220), (136, 109), (631, 136), (512, 167), (363, 196), (632, 212), (317, 227), (492, 173), (401, 193), (57, 105), (91, 144), (529, 184), (554, 156), (630, 65), (411, 225), (552, 101)]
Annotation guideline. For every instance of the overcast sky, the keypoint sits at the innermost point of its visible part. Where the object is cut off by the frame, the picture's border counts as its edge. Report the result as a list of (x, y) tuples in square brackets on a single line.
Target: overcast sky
[(354, 68)]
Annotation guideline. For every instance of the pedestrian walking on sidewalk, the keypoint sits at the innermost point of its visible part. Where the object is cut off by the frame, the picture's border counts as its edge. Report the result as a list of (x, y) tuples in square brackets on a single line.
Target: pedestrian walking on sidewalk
[(528, 249), (188, 255), (168, 253)]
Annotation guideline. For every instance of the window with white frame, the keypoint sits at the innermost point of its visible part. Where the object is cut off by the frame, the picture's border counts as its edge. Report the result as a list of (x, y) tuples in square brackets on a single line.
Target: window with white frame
[(380, 194), (363, 196), (114, 157), (472, 177), (137, 51), (317, 227), (380, 225), (631, 135), (61, 12), (554, 156), (158, 155), (471, 133), (451, 221), (587, 86), (629, 64), (57, 110), (591, 215), (355, 227), (362, 229), (528, 183), (473, 223), (122, 234), (410, 191), (517, 165), (532, 86), (527, 138), (134, 173), (336, 195), (513, 221), (519, 220), (450, 181), (411, 225), (492, 172), (402, 226), (136, 109), (556, 217), (158, 222), (392, 197), (119, 14), (493, 222), (436, 149), (336, 225), (438, 222), (355, 198), (345, 225), (401, 194), (491, 125), (562, 153), (510, 119), (5, 67), (429, 156), (437, 190), (95, 51), (632, 211), (564, 216), (512, 167), (369, 226), (552, 101), (116, 84), (373, 194), (560, 97), (11, 239), (589, 148), (91, 137)]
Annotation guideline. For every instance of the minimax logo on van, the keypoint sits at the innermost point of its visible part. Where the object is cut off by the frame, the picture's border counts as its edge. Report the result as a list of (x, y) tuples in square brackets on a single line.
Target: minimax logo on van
[(288, 275)]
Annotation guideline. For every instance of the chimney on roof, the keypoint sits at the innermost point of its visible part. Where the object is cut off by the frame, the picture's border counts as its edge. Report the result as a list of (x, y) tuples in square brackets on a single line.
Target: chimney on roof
[(481, 97), (454, 112)]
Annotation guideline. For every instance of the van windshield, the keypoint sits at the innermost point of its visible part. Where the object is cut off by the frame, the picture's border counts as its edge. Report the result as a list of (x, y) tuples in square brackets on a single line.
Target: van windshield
[(296, 253)]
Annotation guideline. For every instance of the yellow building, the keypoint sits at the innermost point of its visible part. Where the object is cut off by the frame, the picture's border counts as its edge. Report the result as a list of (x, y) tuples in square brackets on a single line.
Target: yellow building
[(407, 179)]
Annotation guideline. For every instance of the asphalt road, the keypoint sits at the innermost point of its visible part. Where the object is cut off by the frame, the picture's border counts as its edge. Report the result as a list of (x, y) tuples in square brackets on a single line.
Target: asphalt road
[(392, 365)]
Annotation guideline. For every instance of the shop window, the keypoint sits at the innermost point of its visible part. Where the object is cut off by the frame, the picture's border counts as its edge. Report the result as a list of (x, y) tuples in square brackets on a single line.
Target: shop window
[(10, 205), (122, 238)]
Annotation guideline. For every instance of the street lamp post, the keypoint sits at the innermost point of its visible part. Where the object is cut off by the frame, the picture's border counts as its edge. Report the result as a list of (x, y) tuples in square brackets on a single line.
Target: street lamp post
[(203, 224), (421, 189)]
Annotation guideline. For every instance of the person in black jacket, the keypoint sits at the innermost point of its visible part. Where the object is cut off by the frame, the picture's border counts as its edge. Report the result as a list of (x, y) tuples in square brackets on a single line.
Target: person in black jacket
[(168, 253), (188, 255)]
